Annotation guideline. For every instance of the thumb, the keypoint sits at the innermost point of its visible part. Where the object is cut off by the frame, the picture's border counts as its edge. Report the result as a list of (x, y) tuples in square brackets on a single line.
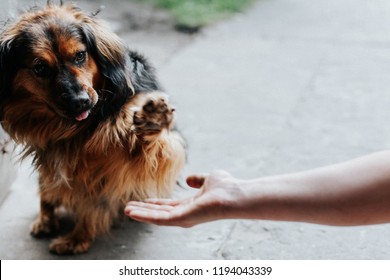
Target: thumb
[(196, 181)]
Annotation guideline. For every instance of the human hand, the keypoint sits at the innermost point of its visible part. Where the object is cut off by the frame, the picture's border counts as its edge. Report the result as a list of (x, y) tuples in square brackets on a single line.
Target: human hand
[(211, 203)]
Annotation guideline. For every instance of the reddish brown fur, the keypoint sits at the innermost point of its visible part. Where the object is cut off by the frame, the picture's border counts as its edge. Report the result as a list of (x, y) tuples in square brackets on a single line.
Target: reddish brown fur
[(92, 175)]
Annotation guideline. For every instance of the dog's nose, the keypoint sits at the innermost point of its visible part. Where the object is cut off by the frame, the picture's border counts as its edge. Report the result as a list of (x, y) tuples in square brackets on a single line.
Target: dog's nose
[(81, 102)]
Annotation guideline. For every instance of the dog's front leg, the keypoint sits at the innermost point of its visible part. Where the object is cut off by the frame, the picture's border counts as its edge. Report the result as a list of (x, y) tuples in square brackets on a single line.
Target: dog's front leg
[(46, 225), (78, 241), (163, 147)]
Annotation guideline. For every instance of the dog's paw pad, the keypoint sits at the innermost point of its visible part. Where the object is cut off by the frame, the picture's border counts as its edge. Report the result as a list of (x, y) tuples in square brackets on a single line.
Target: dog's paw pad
[(66, 246), (155, 115)]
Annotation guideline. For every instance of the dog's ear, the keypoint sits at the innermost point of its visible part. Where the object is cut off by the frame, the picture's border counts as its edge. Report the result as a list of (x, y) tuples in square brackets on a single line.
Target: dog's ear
[(8, 67), (127, 73), (5, 51), (109, 52), (142, 73), (113, 61)]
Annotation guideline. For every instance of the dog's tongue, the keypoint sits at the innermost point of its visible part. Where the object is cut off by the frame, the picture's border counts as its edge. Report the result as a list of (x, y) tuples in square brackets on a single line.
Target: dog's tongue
[(82, 116)]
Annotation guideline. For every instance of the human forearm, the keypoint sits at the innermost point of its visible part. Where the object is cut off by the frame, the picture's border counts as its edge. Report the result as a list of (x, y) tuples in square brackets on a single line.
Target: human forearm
[(356, 192)]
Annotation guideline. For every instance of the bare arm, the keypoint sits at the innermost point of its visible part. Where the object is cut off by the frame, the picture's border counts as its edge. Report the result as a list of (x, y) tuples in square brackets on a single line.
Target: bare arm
[(355, 192)]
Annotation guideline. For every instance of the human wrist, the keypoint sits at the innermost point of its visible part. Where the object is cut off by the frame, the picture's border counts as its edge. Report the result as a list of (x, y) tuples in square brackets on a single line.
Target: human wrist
[(260, 198), (227, 196), (239, 198)]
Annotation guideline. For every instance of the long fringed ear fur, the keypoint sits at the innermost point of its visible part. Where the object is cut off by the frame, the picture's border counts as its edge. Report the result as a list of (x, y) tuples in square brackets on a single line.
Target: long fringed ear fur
[(8, 68), (113, 62)]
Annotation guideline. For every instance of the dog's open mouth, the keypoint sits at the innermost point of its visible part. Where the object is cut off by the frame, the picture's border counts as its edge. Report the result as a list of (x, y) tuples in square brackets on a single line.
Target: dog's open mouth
[(84, 115)]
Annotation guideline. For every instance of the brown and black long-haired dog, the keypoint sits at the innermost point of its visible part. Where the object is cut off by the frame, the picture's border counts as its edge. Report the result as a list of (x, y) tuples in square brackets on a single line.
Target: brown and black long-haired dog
[(91, 114)]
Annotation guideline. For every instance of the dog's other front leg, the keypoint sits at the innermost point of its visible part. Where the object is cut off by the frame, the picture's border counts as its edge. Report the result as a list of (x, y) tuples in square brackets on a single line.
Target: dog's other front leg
[(78, 241), (46, 225)]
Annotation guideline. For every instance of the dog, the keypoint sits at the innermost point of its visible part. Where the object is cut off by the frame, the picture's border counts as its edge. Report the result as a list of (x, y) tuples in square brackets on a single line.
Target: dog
[(91, 114)]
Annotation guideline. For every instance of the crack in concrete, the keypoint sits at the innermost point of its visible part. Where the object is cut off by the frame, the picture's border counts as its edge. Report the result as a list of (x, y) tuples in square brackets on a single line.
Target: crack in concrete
[(219, 253)]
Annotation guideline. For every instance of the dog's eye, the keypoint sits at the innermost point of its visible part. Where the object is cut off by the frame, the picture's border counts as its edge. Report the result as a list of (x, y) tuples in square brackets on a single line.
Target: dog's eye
[(80, 57), (41, 69)]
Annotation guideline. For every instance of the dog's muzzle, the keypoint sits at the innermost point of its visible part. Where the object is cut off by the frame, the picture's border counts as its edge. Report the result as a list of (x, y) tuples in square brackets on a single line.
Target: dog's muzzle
[(79, 105)]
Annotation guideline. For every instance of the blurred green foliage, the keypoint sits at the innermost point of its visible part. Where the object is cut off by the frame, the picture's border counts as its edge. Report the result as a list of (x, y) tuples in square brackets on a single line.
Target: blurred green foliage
[(198, 13)]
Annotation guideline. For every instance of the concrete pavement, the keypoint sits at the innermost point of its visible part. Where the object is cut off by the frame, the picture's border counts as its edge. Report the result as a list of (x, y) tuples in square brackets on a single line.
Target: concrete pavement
[(286, 86)]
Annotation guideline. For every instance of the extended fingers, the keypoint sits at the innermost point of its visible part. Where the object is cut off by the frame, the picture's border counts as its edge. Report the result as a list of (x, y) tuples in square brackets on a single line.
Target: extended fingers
[(146, 212), (150, 216), (162, 201), (154, 214), (137, 205)]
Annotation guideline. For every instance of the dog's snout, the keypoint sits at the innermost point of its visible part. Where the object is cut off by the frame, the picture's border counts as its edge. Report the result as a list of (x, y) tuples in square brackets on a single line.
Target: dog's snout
[(81, 102)]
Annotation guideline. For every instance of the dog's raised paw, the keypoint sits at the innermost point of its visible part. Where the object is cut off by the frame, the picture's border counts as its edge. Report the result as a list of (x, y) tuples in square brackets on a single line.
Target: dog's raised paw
[(154, 115), (69, 246)]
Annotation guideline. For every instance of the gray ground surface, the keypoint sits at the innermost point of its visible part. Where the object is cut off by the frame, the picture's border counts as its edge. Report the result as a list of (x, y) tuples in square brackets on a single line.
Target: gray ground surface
[(286, 86)]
